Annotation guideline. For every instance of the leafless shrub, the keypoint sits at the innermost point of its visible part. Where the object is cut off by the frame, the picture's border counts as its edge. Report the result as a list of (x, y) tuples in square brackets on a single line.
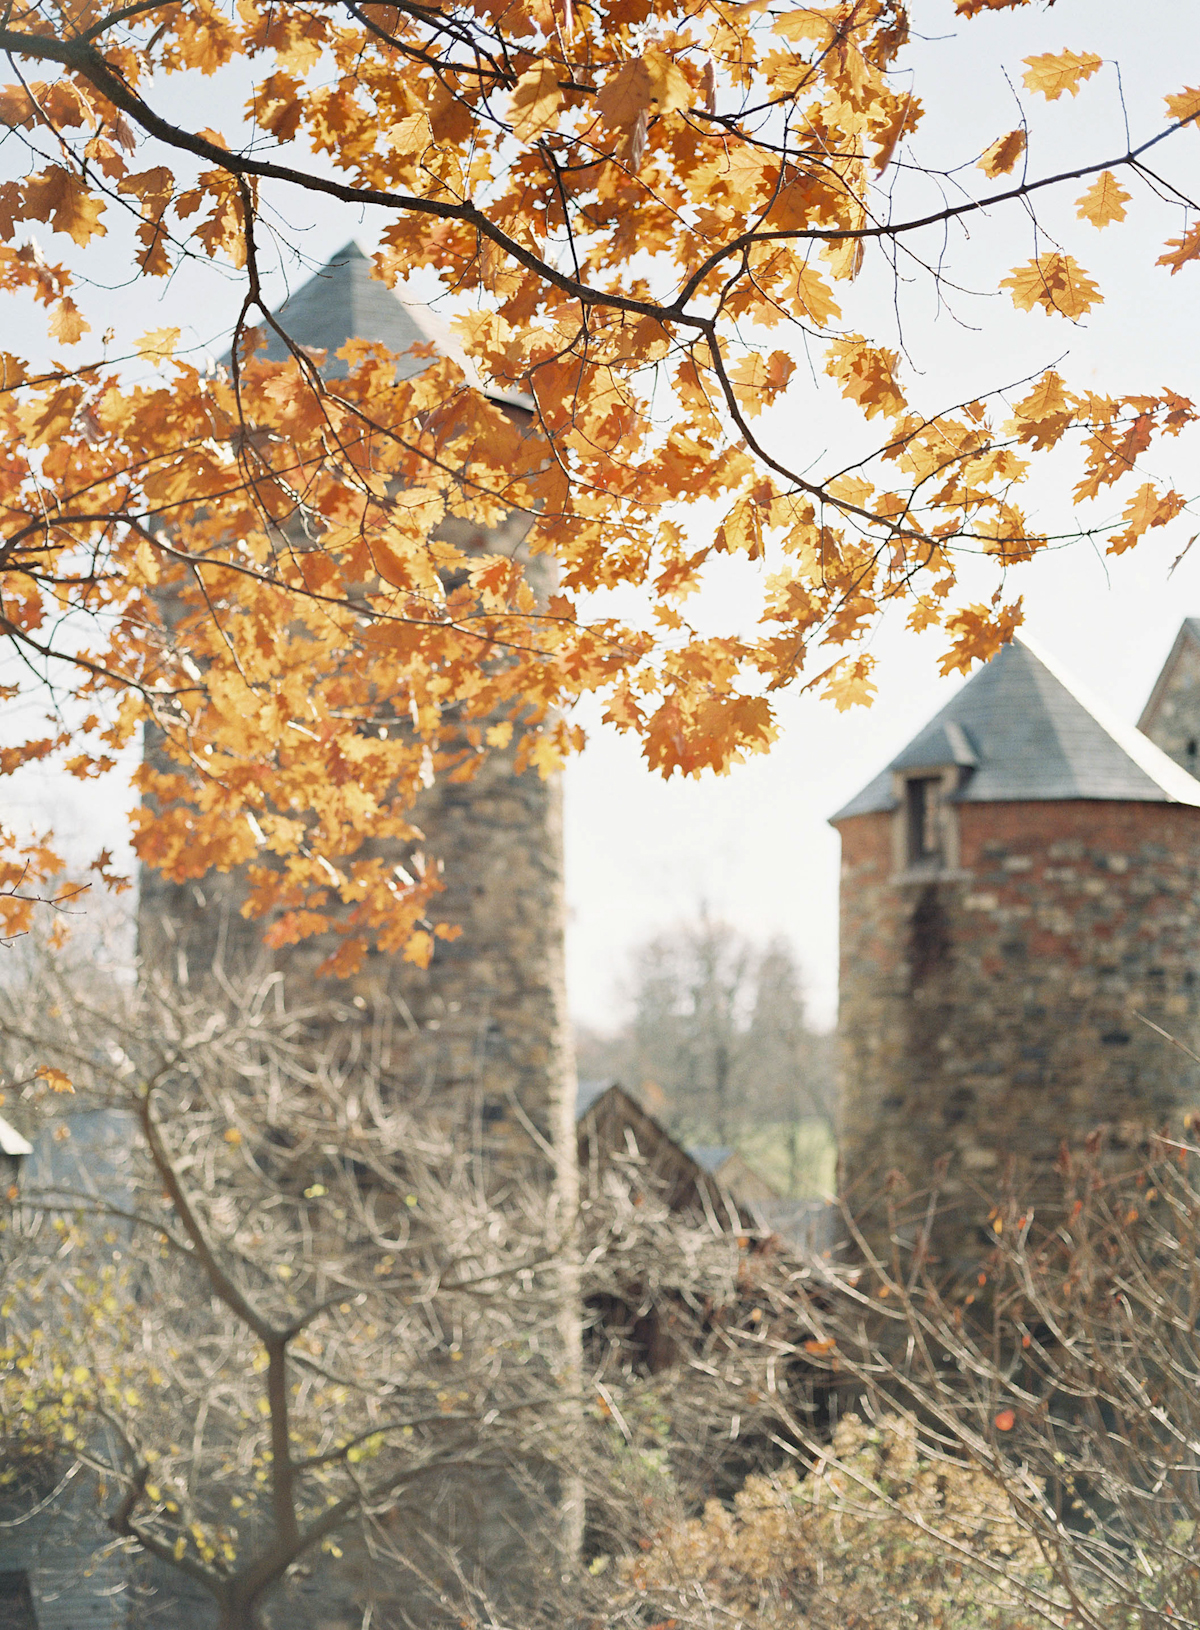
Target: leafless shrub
[(1065, 1374)]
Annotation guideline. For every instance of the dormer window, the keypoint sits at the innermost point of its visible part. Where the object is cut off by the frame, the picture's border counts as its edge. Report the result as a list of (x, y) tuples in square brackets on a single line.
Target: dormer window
[(923, 818)]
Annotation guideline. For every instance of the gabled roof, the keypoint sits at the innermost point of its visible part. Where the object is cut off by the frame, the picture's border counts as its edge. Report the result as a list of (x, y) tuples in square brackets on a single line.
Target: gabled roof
[(1033, 737), (345, 301), (1189, 632)]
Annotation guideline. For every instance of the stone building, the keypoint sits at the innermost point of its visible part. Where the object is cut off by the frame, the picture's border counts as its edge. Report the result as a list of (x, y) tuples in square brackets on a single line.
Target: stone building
[(1171, 716), (1018, 885), (485, 1028), (482, 1036)]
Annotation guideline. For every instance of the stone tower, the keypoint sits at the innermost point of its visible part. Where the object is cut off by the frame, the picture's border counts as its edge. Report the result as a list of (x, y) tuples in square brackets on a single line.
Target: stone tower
[(480, 1038), (1171, 716), (1018, 884), (483, 1032)]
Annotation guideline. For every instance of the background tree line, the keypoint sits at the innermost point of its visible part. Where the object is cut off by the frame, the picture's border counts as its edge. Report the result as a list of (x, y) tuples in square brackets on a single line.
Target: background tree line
[(717, 1043)]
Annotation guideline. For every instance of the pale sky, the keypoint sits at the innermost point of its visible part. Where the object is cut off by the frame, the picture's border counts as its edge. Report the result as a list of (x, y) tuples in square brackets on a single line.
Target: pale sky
[(755, 845)]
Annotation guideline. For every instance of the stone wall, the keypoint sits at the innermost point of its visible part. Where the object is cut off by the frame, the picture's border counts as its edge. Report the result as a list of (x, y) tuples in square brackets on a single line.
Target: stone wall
[(483, 1034), (988, 1013), (1172, 715)]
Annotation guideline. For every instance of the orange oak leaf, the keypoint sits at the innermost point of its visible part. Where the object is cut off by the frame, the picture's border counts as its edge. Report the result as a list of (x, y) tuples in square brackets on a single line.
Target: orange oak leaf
[(62, 199), (54, 1079), (1184, 106), (653, 83), (1055, 282), (1181, 250), (1051, 74), (535, 101), (1104, 201), (866, 375), (1147, 508), (1001, 157)]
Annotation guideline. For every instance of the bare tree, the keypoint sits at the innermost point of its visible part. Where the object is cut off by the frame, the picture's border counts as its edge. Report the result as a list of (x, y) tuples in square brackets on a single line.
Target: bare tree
[(718, 1041), (296, 1307), (310, 1339), (1064, 1374)]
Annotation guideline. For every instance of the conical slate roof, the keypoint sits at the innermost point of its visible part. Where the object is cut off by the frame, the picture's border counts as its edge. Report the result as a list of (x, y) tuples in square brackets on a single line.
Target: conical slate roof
[(1031, 737), (344, 302)]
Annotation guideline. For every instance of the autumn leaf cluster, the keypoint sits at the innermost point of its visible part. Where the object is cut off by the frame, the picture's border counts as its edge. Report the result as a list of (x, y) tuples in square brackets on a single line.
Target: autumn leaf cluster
[(318, 584)]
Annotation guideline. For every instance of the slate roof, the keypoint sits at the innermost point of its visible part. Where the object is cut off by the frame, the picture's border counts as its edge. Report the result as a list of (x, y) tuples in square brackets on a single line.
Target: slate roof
[(1021, 731), (1189, 629), (344, 301)]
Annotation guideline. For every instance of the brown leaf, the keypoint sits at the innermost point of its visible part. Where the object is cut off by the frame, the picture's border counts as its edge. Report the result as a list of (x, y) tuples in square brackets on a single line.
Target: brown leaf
[(59, 197), (649, 84), (535, 101), (1001, 157)]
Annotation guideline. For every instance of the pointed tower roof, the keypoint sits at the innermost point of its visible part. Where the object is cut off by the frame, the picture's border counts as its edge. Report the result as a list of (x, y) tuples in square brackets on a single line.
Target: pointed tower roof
[(346, 301), (1189, 634), (1021, 731)]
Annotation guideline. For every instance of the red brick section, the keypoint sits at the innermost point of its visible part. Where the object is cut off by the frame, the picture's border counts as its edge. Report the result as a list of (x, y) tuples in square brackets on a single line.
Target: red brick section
[(988, 1014)]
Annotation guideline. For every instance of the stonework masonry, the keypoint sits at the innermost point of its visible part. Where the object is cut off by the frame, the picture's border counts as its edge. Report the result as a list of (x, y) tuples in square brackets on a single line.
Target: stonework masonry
[(989, 1013), (1171, 717)]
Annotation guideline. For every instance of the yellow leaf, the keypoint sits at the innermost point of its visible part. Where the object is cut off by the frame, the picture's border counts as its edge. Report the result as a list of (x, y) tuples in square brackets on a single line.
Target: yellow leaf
[(649, 84), (536, 99), (156, 343), (849, 683), (758, 380), (54, 1079), (1056, 282), (1053, 73), (1104, 201), (866, 375), (66, 324), (233, 1136), (805, 23), (1184, 105), (741, 530), (419, 949), (1001, 157)]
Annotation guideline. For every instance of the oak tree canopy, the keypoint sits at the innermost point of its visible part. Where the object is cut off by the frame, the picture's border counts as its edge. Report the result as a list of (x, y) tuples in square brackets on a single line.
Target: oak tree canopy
[(649, 218)]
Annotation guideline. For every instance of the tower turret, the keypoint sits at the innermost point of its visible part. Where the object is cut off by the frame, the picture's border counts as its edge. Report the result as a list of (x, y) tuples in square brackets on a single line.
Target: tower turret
[(1018, 884)]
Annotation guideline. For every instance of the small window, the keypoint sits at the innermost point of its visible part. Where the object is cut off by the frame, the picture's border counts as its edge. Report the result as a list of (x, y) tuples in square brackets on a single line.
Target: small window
[(924, 812)]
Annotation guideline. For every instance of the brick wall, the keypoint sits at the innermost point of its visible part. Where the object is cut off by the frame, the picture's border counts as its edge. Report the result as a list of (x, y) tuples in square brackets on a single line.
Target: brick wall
[(988, 1013)]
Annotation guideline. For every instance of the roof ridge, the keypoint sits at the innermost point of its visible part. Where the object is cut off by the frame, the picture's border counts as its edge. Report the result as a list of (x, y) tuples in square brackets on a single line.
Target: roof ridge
[(1180, 787)]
